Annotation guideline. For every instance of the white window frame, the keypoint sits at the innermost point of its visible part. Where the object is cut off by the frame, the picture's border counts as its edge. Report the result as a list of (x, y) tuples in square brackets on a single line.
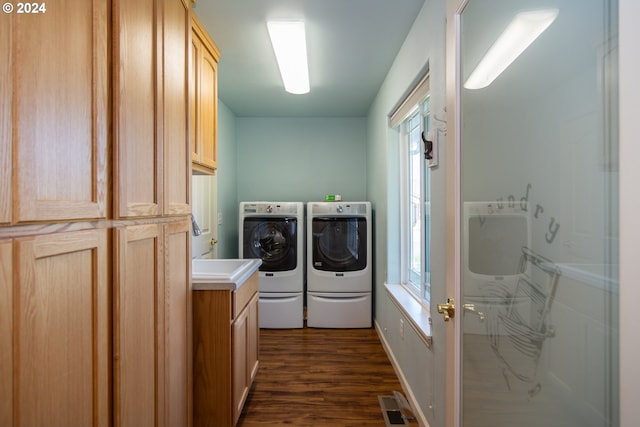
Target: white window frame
[(419, 291)]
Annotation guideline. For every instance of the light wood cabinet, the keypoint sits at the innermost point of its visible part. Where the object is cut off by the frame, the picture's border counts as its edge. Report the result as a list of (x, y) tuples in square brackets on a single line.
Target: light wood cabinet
[(138, 302), (95, 279), (6, 125), (137, 109), (152, 179), (138, 325), (6, 332), (54, 122), (225, 342), (178, 343), (152, 325), (245, 354), (176, 54), (204, 100), (151, 108), (58, 346)]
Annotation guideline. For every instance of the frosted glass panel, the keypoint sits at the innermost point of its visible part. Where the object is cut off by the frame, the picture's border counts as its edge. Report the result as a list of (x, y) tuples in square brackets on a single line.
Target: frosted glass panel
[(540, 202), (495, 244)]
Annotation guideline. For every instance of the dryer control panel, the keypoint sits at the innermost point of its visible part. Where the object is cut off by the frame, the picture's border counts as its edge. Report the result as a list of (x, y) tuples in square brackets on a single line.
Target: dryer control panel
[(339, 208), (290, 208)]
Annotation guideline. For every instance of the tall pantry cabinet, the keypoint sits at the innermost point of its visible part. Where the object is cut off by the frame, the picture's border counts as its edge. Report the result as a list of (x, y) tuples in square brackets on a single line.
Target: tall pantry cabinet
[(95, 168), (54, 250), (152, 185)]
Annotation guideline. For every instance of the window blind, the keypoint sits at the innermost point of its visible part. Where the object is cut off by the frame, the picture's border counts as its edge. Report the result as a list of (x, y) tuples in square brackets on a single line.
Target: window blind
[(410, 102)]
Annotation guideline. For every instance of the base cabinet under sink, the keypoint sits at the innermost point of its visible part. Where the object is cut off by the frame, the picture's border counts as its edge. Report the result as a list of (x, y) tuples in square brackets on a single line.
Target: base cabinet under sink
[(225, 352), (244, 354)]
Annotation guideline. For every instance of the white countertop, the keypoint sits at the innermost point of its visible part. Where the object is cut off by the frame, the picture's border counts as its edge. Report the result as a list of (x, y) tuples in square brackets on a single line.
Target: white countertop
[(221, 274)]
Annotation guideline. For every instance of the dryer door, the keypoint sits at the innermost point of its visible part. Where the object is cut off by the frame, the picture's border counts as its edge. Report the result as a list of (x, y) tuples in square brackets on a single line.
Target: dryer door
[(273, 240), (339, 243)]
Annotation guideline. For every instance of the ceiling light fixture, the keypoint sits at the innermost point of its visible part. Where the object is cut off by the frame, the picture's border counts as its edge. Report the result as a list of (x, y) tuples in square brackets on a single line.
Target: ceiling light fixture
[(521, 32), (290, 46)]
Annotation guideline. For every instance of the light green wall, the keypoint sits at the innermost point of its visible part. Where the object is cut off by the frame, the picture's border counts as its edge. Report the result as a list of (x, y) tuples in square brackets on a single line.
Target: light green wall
[(301, 159), (424, 48), (285, 159)]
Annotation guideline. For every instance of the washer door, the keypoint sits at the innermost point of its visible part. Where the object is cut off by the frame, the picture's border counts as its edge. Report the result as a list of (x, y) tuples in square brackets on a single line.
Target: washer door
[(273, 240), (340, 244)]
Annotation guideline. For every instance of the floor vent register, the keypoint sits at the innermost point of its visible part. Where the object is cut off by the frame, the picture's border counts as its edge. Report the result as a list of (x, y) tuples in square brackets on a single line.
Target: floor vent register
[(396, 410)]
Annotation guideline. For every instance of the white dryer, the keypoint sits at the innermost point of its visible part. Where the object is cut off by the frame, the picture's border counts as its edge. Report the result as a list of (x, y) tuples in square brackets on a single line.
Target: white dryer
[(339, 271), (274, 232)]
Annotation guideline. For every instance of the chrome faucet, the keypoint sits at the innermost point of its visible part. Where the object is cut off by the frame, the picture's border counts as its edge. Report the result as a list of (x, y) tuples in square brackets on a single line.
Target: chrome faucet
[(194, 225)]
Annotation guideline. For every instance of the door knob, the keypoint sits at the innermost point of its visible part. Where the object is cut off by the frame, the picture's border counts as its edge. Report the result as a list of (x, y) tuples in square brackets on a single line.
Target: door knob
[(448, 309), (213, 242)]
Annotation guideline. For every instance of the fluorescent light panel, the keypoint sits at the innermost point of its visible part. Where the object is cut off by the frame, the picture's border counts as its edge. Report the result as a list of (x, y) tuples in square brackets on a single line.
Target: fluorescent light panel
[(521, 32), (290, 46)]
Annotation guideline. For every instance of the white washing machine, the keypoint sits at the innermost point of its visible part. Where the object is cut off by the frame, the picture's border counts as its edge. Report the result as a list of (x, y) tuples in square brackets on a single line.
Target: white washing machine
[(339, 271), (274, 232)]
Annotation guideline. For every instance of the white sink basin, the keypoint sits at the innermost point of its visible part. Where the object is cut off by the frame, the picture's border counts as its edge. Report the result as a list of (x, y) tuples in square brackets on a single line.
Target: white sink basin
[(229, 273)]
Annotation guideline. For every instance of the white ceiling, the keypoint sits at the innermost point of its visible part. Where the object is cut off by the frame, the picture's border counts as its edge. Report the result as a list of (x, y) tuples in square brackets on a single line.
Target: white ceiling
[(351, 46)]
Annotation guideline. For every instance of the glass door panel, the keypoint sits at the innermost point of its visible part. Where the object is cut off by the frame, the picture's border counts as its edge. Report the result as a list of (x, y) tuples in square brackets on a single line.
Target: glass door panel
[(540, 206)]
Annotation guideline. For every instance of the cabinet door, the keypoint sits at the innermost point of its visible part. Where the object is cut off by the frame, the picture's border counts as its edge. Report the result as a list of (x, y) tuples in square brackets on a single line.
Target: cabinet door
[(6, 333), (212, 353), (6, 89), (54, 97), (205, 103), (208, 109), (61, 330), (239, 361), (245, 354), (176, 50), (138, 326), (178, 334), (137, 106), (253, 339), (194, 96)]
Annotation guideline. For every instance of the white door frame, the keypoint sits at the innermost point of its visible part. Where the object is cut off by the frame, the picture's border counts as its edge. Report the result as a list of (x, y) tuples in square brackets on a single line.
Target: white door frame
[(629, 57), (453, 213)]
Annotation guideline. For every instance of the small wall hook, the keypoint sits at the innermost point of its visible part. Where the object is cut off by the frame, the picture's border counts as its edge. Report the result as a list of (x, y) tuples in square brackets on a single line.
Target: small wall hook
[(428, 147)]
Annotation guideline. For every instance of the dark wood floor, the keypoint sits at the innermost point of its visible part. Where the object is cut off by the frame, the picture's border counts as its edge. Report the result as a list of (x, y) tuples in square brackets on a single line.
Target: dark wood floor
[(319, 377)]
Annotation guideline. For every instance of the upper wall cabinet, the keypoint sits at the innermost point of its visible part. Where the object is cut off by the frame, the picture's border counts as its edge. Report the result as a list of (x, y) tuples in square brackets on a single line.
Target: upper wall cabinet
[(204, 101), (151, 88), (53, 113)]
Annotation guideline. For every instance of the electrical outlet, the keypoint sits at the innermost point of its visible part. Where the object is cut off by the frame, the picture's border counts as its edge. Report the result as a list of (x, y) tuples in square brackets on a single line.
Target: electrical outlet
[(402, 328)]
